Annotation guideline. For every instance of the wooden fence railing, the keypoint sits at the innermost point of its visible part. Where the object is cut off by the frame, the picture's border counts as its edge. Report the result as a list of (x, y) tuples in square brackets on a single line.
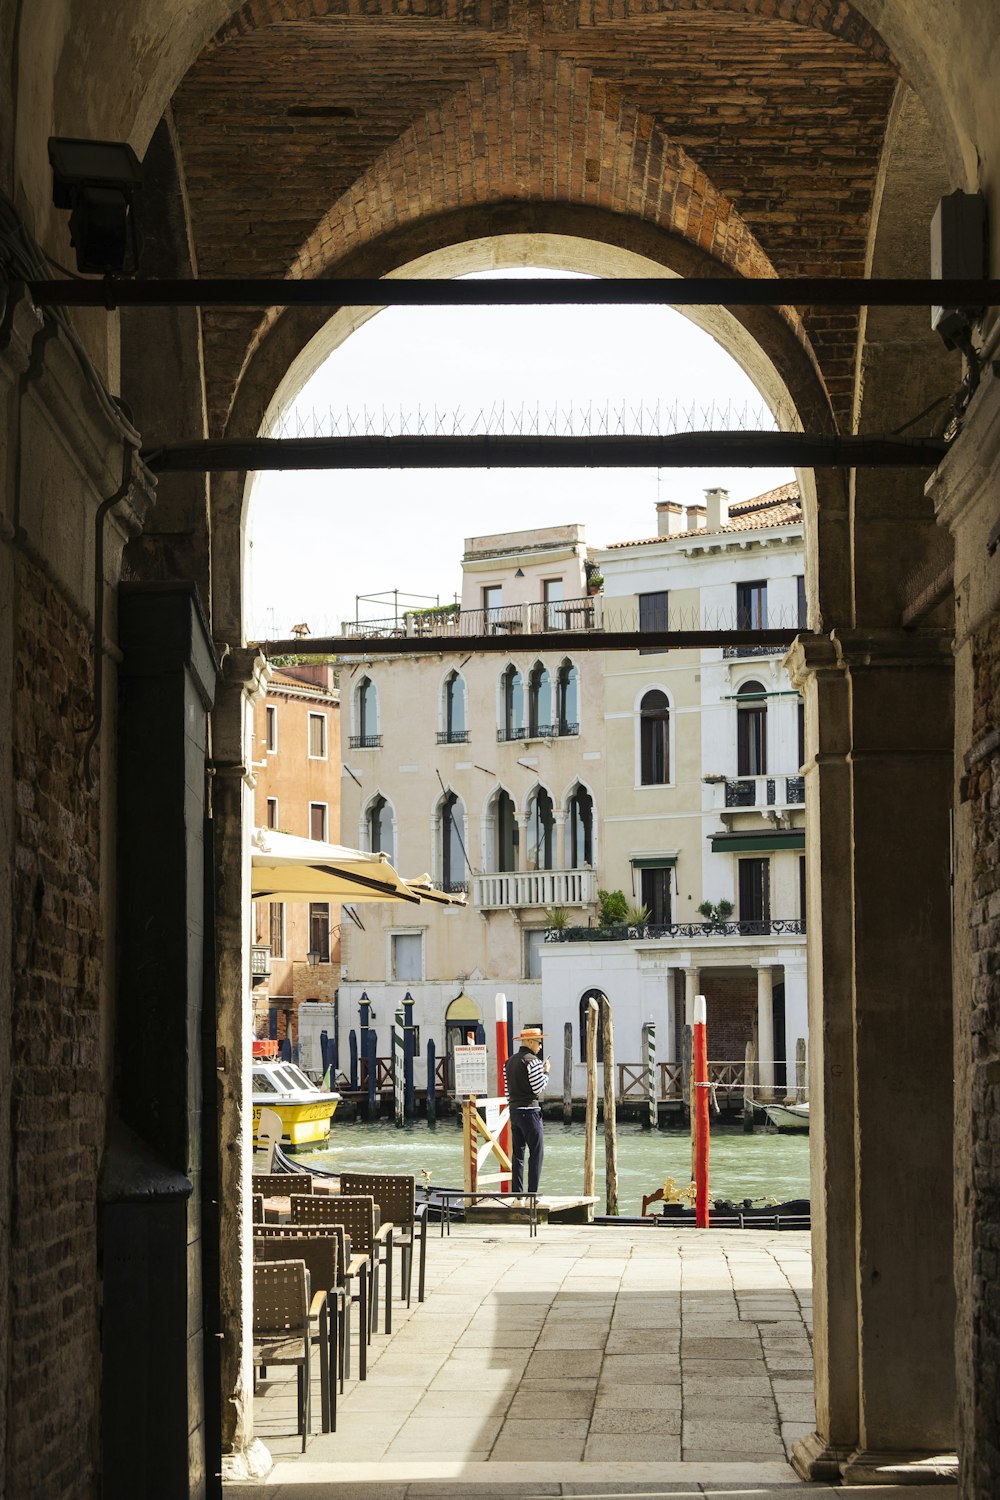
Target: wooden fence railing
[(727, 1077)]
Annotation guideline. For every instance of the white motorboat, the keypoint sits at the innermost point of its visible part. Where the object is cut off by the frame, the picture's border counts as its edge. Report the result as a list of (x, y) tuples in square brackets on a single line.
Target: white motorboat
[(788, 1116)]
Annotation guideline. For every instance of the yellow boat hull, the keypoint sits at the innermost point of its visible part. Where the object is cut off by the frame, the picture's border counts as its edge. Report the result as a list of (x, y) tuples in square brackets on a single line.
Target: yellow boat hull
[(301, 1124)]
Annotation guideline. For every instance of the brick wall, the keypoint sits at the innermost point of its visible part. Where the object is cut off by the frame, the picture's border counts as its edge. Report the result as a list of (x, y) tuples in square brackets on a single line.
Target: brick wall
[(58, 1104), (984, 795), (731, 1003)]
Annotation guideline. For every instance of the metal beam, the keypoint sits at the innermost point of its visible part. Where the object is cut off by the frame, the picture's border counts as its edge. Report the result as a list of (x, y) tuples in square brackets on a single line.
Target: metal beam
[(671, 291), (685, 450), (507, 641)]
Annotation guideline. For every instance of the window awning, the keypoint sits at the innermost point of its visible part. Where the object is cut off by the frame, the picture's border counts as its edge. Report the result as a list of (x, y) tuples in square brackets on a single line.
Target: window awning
[(757, 843), (652, 861)]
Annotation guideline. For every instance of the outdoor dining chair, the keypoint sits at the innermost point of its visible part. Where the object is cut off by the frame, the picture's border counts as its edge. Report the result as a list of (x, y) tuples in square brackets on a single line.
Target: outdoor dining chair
[(320, 1253), (283, 1312), (280, 1184), (357, 1214), (351, 1286), (396, 1196), (257, 1204)]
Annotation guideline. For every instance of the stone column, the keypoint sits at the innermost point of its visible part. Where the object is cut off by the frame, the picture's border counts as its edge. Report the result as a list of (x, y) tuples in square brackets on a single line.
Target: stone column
[(879, 763), (796, 1019), (765, 1030), (692, 978), (522, 841), (560, 849)]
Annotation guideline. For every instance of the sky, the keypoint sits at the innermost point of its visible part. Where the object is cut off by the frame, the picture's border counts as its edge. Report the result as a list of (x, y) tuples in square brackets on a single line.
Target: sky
[(319, 539)]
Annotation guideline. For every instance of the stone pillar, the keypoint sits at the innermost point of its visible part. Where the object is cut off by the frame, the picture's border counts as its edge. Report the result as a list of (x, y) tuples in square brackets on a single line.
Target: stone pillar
[(692, 978), (796, 1019), (560, 849), (232, 814), (522, 841), (765, 1030), (878, 719)]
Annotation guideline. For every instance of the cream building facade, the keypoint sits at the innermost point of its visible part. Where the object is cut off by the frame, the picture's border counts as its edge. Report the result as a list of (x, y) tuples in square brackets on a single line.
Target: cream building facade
[(533, 781)]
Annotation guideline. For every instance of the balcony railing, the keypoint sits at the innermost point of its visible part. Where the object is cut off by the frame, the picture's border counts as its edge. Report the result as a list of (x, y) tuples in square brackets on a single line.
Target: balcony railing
[(622, 932), (534, 888), (761, 791), (453, 736), (730, 651), (540, 732), (509, 619), (260, 961), (365, 742)]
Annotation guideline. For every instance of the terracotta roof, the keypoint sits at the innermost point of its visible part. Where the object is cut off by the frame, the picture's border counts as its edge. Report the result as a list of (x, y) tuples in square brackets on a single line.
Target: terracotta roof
[(777, 507), (287, 683)]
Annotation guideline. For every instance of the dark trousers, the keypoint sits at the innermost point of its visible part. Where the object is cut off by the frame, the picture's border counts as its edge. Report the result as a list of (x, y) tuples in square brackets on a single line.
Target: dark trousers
[(526, 1133)]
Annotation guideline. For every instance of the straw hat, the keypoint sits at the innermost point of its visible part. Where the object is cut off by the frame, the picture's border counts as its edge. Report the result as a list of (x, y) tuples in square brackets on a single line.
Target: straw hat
[(530, 1034)]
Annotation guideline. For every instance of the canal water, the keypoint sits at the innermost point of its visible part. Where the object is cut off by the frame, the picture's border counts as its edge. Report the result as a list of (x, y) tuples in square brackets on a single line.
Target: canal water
[(764, 1165)]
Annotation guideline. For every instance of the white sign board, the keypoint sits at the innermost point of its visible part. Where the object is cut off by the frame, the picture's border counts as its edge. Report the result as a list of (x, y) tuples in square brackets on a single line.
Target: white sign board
[(471, 1070)]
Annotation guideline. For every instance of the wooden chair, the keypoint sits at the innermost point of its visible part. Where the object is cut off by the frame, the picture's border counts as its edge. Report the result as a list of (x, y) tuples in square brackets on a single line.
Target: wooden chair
[(351, 1288), (257, 1202), (396, 1196), (358, 1217), (283, 1313), (320, 1253), (280, 1184)]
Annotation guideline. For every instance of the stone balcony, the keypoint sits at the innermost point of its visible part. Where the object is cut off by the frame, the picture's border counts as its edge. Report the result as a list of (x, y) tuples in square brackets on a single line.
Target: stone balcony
[(538, 888)]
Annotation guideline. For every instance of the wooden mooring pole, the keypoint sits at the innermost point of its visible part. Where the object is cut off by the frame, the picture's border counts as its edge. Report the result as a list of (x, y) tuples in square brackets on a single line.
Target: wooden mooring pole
[(749, 1063), (649, 1053), (610, 1124), (567, 1105), (591, 1117), (800, 1070)]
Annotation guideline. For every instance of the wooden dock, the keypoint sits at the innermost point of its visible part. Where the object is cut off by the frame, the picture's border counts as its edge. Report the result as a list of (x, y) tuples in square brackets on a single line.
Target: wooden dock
[(550, 1210)]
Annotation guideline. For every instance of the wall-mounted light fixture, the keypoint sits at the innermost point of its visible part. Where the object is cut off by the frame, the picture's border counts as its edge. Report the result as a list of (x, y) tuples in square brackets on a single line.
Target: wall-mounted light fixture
[(97, 181)]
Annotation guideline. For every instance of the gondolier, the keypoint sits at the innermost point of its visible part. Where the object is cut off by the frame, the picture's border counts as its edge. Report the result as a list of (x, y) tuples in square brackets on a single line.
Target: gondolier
[(527, 1078)]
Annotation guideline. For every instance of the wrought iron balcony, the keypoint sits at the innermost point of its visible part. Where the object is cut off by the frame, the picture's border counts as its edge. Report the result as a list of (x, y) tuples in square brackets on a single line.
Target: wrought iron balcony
[(763, 791), (622, 932), (508, 888), (365, 742), (731, 651), (453, 736), (540, 732)]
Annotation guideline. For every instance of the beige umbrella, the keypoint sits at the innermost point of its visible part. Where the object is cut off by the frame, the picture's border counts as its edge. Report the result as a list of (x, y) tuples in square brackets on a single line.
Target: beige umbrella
[(422, 887), (287, 868)]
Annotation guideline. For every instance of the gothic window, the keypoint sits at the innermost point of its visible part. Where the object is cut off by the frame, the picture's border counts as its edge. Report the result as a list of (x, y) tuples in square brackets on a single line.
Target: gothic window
[(568, 698), (654, 739), (540, 700), (751, 730), (505, 833), (512, 711), (541, 826), (378, 826), (453, 863), (456, 729), (580, 829)]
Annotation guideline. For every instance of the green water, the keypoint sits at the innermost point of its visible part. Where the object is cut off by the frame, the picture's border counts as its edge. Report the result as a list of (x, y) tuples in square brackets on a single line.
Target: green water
[(763, 1165)]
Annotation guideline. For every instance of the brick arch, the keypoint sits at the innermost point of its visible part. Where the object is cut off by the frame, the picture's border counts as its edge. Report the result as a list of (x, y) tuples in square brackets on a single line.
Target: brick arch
[(572, 143)]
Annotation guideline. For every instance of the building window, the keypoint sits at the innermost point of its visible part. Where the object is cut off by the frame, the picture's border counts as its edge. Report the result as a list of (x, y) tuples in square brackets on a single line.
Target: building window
[(552, 594), (654, 886), (505, 821), (751, 605), (453, 864), (540, 701), (407, 955), (277, 932), (456, 729), (802, 608), (568, 699), (653, 615), (755, 890), (802, 734), (367, 736), (654, 739), (317, 736), (512, 711), (272, 812), (319, 930), (751, 730), (271, 728), (581, 830), (585, 1000), (492, 604), (534, 939), (378, 821), (317, 821), (541, 826)]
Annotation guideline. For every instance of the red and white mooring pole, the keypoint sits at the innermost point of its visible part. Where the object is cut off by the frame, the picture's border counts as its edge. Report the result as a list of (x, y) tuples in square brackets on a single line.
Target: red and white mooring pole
[(503, 1048), (700, 1103)]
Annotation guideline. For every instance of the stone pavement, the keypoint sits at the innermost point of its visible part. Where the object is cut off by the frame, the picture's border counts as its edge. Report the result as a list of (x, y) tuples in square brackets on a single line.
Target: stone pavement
[(589, 1360)]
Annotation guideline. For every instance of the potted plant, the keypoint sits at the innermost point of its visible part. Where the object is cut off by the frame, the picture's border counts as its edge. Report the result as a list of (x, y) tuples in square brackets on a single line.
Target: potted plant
[(613, 910), (557, 917), (595, 581), (717, 915)]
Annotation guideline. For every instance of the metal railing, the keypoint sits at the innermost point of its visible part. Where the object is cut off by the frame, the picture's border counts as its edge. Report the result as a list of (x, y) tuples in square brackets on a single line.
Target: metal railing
[(624, 932), (730, 651), (764, 791), (453, 736), (507, 619), (539, 732), (365, 742), (534, 888)]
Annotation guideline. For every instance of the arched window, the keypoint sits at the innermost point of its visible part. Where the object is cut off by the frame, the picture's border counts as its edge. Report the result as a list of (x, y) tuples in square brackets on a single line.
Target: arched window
[(512, 709), (541, 826), (568, 698), (453, 862), (505, 833), (366, 736), (585, 1000), (378, 826), (654, 739), (455, 731), (751, 730), (540, 701), (581, 830)]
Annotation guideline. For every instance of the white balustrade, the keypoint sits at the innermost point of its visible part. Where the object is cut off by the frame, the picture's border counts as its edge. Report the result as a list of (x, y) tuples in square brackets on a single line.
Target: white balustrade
[(534, 888)]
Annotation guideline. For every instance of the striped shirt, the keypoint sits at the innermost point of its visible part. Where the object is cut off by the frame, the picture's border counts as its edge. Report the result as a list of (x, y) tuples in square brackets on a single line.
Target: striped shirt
[(526, 1079)]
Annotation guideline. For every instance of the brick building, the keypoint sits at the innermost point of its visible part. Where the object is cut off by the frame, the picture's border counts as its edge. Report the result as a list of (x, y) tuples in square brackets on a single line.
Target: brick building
[(296, 733), (290, 139)]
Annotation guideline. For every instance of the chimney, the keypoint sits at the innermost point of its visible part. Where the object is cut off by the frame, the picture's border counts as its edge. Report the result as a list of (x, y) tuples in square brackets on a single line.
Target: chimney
[(717, 503), (669, 517), (695, 517)]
